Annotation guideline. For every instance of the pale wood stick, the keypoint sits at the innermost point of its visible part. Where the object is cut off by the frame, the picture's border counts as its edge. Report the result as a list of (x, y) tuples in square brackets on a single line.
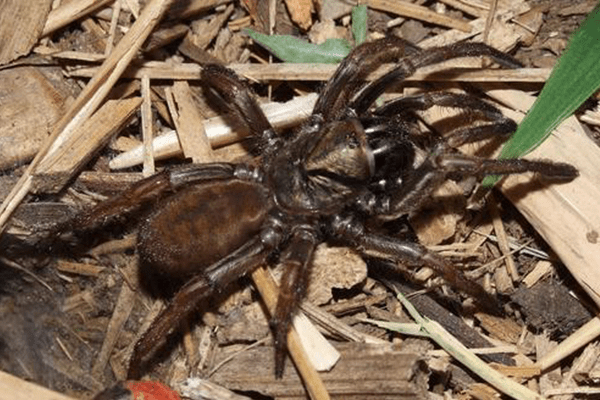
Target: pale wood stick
[(88, 101), (13, 388), (406, 9), (123, 308), (502, 239), (322, 72), (190, 125), (70, 11), (220, 133), (466, 8), (92, 135), (268, 292), (114, 22), (147, 131)]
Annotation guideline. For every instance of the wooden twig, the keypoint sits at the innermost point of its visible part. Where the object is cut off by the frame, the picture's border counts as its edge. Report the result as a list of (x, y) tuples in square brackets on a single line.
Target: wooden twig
[(123, 308), (70, 11), (268, 291), (190, 125), (322, 72), (114, 22), (489, 20), (410, 10), (147, 130), (502, 239), (220, 133)]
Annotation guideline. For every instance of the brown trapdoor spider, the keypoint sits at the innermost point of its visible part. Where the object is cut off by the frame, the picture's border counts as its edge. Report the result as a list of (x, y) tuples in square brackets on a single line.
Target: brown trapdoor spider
[(349, 168)]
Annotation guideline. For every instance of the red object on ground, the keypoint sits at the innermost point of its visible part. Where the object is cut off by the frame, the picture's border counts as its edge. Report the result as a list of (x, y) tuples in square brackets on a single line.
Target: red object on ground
[(149, 390), (138, 390)]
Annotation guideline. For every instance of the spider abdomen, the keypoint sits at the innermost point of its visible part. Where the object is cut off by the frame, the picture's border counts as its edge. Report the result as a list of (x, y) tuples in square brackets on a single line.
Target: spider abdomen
[(200, 225)]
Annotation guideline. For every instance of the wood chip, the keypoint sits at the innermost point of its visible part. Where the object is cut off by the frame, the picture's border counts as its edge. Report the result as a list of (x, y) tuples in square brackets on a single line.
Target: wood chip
[(99, 129), (542, 268), (21, 23), (147, 128), (365, 371), (79, 268), (31, 104), (190, 125), (334, 267), (300, 12)]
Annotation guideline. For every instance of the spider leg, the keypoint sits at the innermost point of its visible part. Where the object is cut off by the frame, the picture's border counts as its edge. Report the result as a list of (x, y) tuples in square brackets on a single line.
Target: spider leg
[(433, 171), (236, 95), (152, 188), (409, 253), (296, 261), (353, 69), (408, 65), (242, 261), (499, 125)]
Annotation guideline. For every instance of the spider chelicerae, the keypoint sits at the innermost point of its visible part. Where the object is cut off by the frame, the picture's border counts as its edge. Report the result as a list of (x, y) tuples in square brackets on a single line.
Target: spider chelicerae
[(346, 171)]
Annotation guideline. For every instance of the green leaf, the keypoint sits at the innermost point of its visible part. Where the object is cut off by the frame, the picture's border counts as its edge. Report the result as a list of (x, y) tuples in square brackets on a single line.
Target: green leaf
[(359, 24), (294, 50), (575, 77)]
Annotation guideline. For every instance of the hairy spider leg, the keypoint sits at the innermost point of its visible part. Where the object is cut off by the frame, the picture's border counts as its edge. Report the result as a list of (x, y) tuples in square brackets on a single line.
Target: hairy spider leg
[(439, 166), (296, 261), (408, 65), (150, 189), (236, 96), (499, 126), (352, 71), (409, 253), (203, 286)]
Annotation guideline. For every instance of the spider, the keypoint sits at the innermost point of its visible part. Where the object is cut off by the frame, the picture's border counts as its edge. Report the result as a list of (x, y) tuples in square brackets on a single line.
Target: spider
[(346, 171)]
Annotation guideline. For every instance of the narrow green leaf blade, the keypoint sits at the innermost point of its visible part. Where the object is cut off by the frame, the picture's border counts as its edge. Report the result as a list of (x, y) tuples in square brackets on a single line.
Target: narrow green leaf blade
[(294, 50), (359, 24), (575, 77)]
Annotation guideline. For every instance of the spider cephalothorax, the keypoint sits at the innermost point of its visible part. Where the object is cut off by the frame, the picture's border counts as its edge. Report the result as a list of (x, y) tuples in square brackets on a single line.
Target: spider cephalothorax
[(346, 171)]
